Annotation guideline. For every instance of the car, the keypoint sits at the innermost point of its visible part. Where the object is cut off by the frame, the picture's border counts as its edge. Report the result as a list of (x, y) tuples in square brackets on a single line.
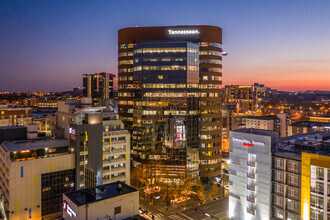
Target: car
[(141, 210)]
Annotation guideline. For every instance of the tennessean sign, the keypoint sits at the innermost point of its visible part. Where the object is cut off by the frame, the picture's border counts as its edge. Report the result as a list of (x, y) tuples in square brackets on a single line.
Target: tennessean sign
[(248, 143), (182, 32)]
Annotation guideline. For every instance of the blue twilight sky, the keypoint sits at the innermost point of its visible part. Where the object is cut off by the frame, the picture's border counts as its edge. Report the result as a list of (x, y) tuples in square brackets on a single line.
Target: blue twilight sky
[(48, 45)]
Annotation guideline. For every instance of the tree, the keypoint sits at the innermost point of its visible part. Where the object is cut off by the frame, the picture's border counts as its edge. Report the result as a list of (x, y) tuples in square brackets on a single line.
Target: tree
[(215, 190), (201, 193), (138, 177)]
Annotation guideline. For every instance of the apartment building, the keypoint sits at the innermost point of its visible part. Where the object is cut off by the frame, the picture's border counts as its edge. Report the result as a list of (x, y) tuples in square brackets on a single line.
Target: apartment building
[(279, 123), (102, 147), (246, 97)]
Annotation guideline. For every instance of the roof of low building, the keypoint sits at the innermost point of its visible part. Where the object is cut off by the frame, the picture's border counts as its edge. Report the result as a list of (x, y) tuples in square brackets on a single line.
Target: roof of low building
[(107, 191), (310, 124), (34, 144), (314, 142), (269, 117), (11, 127)]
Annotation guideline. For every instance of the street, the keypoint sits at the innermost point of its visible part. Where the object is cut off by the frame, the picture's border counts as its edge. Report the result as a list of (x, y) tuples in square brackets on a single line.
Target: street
[(218, 208)]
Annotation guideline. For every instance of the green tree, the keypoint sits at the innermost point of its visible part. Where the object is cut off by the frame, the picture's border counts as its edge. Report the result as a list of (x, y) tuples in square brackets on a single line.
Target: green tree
[(215, 190)]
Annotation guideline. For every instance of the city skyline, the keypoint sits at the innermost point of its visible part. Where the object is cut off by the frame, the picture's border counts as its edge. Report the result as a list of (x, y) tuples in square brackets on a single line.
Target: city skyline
[(49, 45)]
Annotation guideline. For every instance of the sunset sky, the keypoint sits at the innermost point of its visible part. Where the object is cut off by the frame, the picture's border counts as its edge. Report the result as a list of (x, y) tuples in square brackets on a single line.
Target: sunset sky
[(48, 45)]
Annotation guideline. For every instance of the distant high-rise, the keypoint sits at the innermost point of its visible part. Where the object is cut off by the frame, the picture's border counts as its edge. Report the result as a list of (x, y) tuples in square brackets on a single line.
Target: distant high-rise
[(98, 86), (245, 97), (169, 96)]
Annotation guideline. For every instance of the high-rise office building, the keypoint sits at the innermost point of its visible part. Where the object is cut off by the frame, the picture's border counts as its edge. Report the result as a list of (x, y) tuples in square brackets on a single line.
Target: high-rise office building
[(169, 96), (98, 86)]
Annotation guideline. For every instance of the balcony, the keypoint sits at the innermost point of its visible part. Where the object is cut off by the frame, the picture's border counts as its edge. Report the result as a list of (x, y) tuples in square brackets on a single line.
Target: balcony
[(118, 169), (106, 163), (118, 151), (106, 172), (251, 163), (118, 142), (251, 210), (118, 160), (251, 187), (251, 198), (118, 178), (106, 153), (251, 175)]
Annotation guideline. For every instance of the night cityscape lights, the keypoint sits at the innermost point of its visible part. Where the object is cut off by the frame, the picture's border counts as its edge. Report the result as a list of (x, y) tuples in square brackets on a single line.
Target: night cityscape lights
[(164, 110)]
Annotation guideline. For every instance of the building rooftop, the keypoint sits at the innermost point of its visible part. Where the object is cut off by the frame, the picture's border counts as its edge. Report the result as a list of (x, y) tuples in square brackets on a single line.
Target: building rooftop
[(107, 191), (269, 117), (314, 142), (256, 131), (310, 124), (34, 144), (11, 127)]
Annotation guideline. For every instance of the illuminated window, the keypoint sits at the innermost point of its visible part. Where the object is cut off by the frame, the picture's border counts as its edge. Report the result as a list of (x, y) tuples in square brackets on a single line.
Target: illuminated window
[(160, 76)]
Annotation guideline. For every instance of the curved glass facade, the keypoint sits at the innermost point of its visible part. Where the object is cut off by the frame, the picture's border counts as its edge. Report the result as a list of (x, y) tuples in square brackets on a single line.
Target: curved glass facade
[(169, 93)]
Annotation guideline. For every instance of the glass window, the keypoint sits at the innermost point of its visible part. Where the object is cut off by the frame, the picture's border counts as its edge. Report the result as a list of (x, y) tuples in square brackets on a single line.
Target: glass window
[(292, 166), (317, 187)]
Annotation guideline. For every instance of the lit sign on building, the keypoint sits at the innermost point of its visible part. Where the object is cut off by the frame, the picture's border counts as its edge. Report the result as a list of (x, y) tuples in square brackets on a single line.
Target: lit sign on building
[(248, 143), (24, 151), (72, 131), (217, 180), (180, 133), (68, 209), (182, 32)]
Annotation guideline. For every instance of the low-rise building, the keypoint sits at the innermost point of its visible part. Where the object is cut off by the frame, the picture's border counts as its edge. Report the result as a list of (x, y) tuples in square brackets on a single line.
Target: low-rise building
[(303, 127), (33, 176), (279, 123), (47, 102), (15, 115), (110, 201), (320, 118)]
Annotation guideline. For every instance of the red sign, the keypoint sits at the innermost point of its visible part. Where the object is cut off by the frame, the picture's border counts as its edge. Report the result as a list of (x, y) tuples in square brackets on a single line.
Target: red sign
[(249, 145)]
